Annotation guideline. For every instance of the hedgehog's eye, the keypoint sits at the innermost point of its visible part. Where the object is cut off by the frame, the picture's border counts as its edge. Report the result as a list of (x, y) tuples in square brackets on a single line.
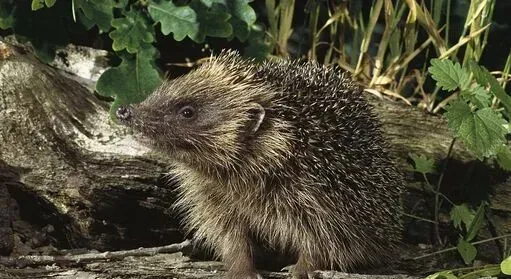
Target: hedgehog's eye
[(187, 112)]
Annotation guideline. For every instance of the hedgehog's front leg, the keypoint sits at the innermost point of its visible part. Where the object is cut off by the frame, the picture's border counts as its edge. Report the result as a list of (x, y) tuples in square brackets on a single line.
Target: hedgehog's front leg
[(303, 267), (237, 255)]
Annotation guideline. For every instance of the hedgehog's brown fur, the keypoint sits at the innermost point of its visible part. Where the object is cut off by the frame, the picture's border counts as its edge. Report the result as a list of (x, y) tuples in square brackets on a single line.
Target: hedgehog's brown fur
[(286, 151)]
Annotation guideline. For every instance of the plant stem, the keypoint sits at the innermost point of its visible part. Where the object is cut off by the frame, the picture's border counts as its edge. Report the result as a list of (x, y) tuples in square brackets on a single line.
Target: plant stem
[(448, 22), (493, 231), (437, 190), (373, 18), (419, 218), (455, 248)]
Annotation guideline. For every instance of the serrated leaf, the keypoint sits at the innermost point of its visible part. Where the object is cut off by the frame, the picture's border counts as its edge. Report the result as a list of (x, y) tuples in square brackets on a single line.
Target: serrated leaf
[(478, 96), (133, 80), (131, 32), (476, 223), (457, 113), (37, 4), (504, 157), (100, 12), (485, 78), (50, 3), (461, 214), (481, 131), (181, 21), (213, 21), (449, 76), (243, 17), (467, 251), (505, 266), (422, 163)]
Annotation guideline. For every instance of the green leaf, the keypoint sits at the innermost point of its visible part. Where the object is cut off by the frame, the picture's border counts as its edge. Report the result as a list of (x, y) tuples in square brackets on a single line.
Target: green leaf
[(488, 272), (243, 17), (448, 75), (477, 96), (131, 32), (100, 12), (467, 251), (504, 157), (181, 21), (505, 266), (461, 214), (482, 131), (476, 223), (6, 16), (485, 78), (37, 4), (85, 21), (213, 21), (423, 164), (50, 3), (133, 80), (121, 4), (442, 275)]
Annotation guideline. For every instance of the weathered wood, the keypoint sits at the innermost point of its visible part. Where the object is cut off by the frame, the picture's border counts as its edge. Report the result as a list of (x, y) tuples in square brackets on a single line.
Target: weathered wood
[(169, 266), (90, 178), (90, 184)]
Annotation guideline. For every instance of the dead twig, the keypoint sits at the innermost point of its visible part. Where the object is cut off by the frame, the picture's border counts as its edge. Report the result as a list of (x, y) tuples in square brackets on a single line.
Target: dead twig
[(80, 259)]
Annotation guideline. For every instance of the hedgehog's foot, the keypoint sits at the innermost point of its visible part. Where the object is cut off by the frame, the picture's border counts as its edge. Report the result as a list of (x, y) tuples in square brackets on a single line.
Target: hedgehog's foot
[(252, 275), (237, 255), (302, 268), (241, 267), (243, 272)]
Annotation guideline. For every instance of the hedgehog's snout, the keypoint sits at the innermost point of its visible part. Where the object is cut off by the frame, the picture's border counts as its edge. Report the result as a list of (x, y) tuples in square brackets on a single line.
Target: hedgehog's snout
[(125, 114)]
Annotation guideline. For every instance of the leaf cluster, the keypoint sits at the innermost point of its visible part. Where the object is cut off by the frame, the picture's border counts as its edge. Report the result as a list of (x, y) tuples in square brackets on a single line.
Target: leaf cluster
[(488, 271), (478, 115), (132, 27), (469, 222)]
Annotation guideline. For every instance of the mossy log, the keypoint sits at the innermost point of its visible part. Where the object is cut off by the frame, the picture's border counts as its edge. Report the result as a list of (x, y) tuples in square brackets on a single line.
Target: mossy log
[(75, 179)]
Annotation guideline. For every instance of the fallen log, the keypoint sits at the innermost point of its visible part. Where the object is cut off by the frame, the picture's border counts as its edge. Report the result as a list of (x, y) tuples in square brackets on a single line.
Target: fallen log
[(80, 180)]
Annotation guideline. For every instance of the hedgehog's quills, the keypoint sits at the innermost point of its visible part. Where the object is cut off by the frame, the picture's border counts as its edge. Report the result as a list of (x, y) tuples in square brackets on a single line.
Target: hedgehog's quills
[(286, 151)]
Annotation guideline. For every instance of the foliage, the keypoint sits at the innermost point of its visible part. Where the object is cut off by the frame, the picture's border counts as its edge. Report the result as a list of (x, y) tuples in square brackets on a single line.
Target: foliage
[(470, 222), (471, 117), (132, 27), (482, 127), (423, 164), (387, 47), (488, 271), (505, 266)]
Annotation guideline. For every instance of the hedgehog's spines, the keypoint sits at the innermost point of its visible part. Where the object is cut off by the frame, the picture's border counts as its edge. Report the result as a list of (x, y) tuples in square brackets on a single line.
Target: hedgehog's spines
[(314, 178)]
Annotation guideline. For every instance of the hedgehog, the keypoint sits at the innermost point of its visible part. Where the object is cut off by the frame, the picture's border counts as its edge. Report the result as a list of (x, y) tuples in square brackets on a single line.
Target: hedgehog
[(287, 152)]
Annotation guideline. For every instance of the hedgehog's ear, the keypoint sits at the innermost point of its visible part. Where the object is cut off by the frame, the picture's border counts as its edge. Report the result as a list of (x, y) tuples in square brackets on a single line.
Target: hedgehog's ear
[(257, 114)]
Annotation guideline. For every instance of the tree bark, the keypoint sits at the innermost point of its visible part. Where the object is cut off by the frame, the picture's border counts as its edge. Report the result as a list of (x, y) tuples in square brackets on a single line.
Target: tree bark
[(80, 180)]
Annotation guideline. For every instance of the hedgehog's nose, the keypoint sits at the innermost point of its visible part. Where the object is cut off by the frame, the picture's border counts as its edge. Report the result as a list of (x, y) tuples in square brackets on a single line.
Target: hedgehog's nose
[(124, 113)]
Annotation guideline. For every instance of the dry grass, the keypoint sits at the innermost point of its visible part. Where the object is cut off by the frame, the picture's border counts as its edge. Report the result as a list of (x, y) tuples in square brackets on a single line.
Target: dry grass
[(388, 70)]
